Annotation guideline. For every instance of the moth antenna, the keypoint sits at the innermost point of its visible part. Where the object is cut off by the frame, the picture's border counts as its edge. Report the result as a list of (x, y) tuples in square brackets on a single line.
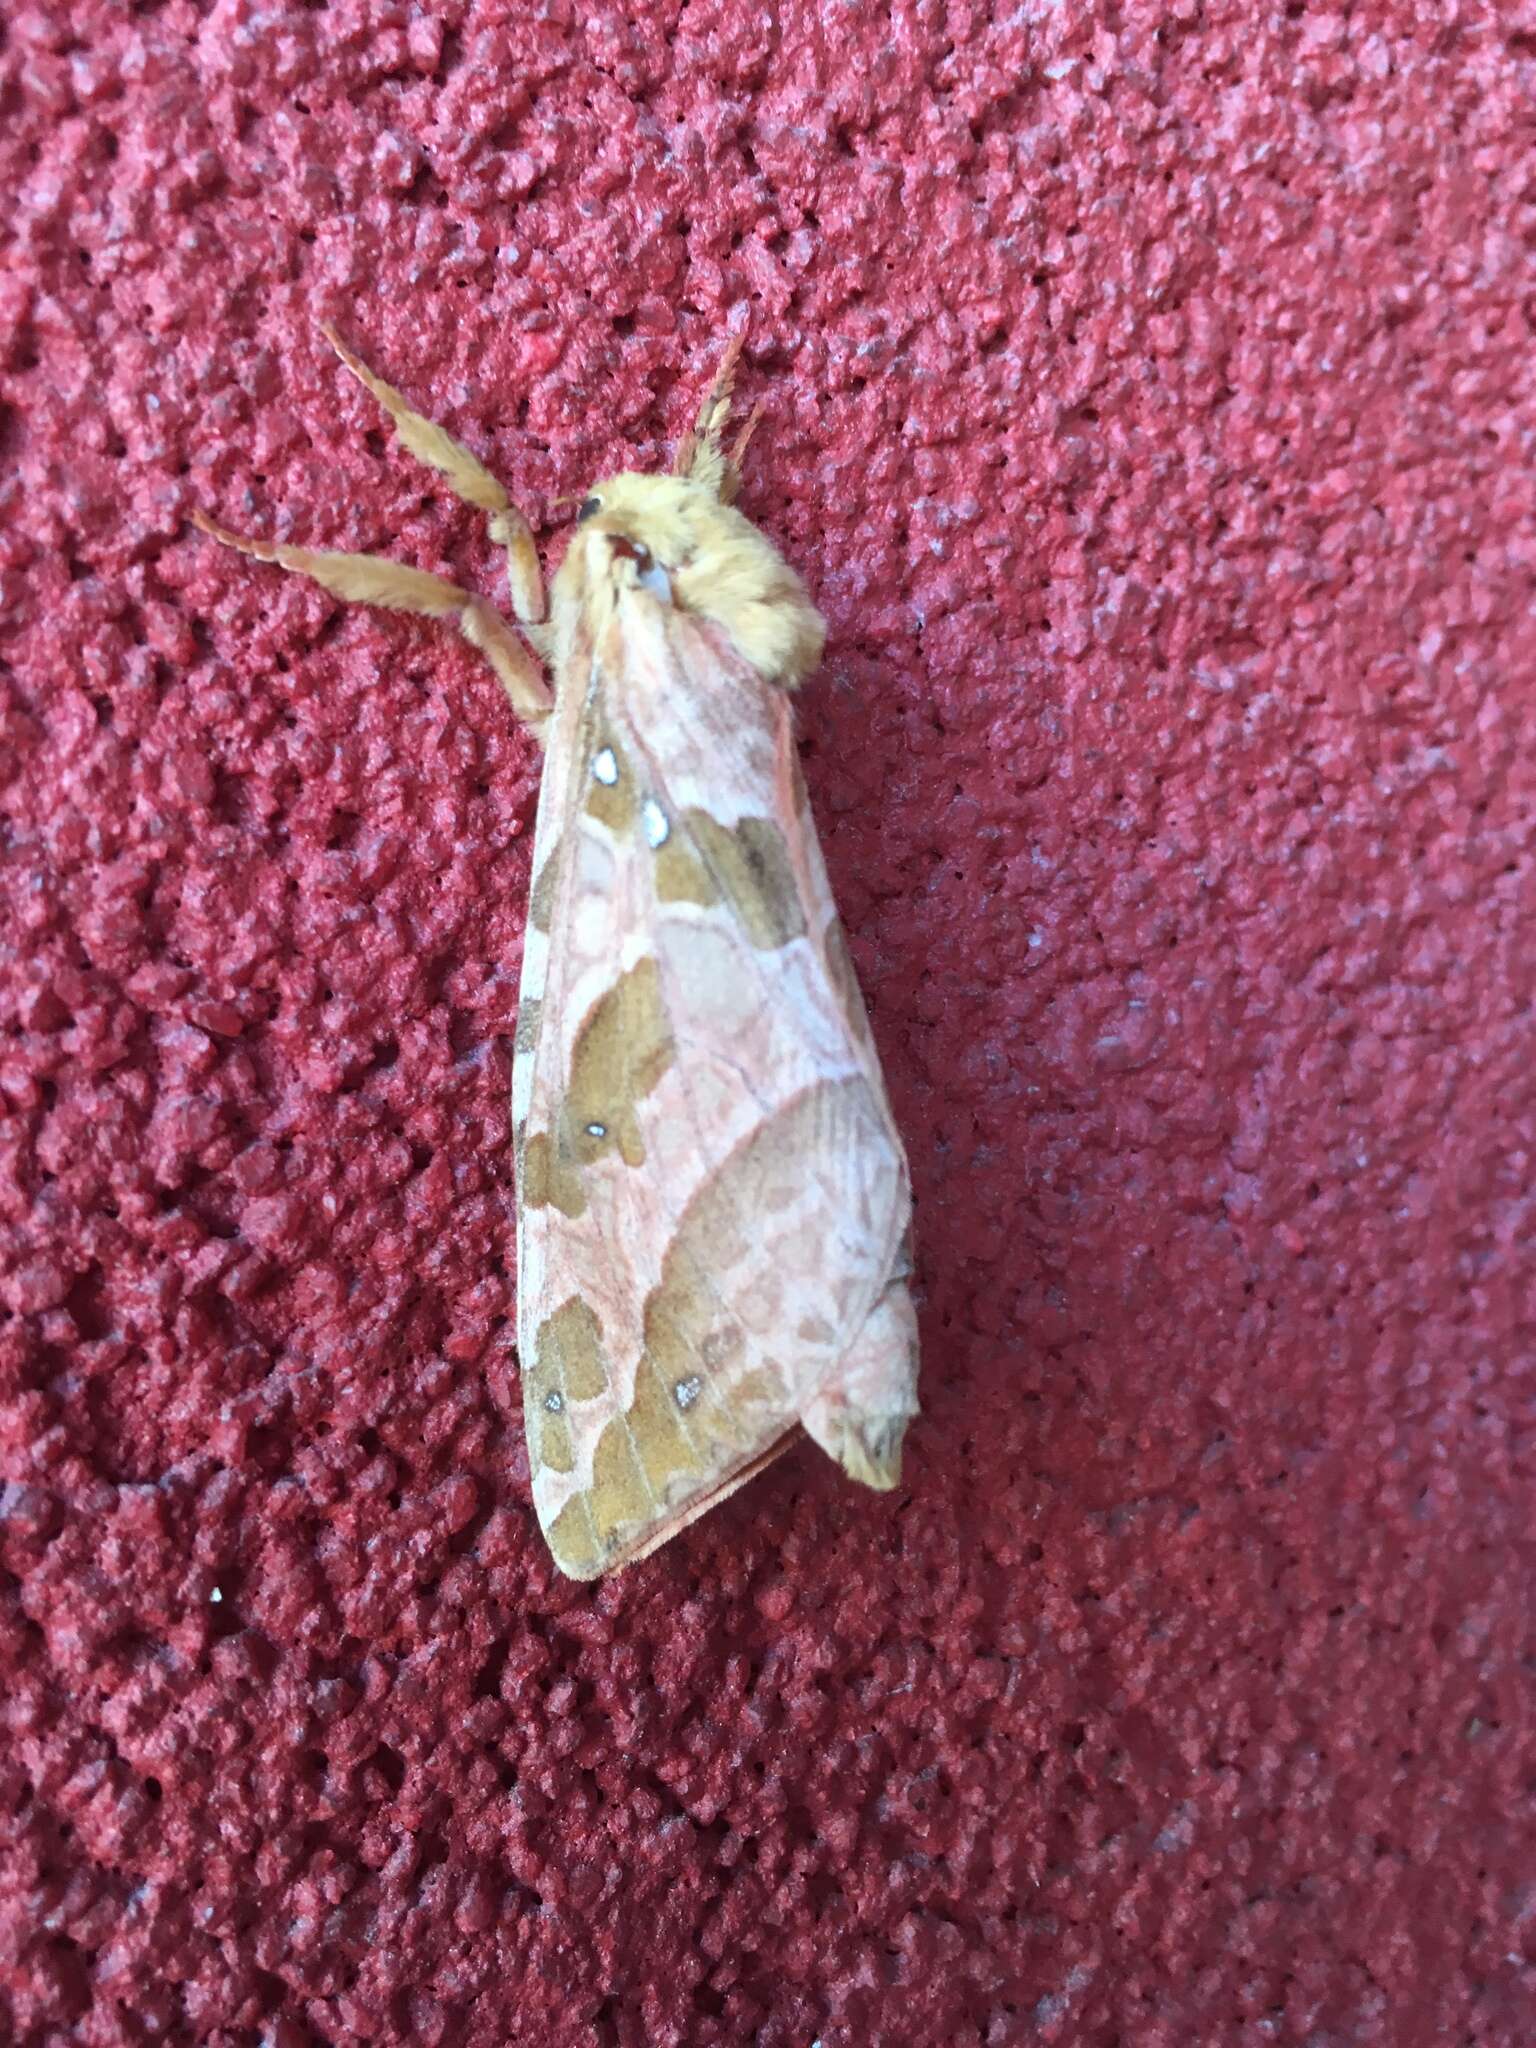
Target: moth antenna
[(730, 481), (698, 453)]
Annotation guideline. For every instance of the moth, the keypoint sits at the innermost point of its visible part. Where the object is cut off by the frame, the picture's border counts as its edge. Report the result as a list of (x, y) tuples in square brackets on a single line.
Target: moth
[(714, 1207)]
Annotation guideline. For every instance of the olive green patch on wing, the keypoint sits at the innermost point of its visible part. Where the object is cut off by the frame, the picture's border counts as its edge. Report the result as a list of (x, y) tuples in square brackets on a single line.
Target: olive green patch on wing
[(549, 1181), (569, 1364), (683, 1325), (619, 1494), (656, 1427), (681, 877), (622, 1049), (750, 866), (636, 1460), (685, 1408), (610, 788), (549, 1439), (572, 1542), (569, 1352)]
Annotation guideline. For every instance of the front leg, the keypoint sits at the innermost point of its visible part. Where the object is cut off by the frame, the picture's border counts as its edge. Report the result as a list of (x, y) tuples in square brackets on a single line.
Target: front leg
[(396, 587), (470, 480)]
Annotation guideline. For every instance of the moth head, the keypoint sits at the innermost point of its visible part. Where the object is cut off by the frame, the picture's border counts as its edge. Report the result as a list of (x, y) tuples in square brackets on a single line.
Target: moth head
[(672, 537)]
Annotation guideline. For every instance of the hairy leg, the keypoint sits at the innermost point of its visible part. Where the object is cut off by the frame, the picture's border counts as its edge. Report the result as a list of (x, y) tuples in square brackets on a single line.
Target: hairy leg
[(375, 580), (468, 479)]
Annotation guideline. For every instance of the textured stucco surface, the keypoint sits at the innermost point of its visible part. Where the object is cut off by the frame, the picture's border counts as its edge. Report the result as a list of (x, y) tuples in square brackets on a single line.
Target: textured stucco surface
[(1152, 408)]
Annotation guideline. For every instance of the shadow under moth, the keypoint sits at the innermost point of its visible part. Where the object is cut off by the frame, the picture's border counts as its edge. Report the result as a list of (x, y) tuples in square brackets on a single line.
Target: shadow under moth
[(714, 1210)]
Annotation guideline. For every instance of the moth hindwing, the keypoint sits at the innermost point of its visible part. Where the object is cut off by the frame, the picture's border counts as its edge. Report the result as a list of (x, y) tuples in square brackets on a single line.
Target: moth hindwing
[(713, 1202)]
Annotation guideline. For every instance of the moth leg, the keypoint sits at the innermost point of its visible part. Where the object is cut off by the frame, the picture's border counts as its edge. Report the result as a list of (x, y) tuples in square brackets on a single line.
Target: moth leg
[(374, 579), (699, 455), (469, 480)]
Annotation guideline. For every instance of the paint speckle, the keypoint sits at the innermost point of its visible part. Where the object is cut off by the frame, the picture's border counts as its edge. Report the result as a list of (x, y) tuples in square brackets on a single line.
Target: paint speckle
[(654, 819), (688, 1390), (605, 766)]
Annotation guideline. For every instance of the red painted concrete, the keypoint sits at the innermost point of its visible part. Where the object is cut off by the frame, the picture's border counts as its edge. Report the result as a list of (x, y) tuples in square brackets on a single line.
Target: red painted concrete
[(1151, 407)]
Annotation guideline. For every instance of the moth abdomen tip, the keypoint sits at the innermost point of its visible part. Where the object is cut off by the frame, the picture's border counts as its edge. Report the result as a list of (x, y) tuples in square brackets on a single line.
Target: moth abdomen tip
[(868, 1447)]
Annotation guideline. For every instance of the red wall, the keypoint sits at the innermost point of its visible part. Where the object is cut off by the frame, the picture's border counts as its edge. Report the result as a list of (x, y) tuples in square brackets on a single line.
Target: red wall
[(1151, 409)]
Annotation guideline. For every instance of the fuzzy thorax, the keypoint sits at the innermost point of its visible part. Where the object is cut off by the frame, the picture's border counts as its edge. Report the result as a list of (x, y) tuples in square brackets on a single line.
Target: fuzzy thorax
[(714, 563)]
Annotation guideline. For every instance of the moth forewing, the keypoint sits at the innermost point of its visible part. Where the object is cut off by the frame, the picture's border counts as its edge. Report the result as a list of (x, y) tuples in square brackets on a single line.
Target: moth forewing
[(711, 1178), (713, 1202)]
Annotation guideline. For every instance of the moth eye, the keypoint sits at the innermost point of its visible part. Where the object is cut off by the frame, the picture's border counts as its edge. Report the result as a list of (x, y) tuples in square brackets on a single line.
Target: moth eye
[(636, 550), (587, 507)]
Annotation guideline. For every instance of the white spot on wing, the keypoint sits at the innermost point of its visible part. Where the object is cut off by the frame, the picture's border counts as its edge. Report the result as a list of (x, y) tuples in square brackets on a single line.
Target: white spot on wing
[(597, 1130), (554, 1401), (605, 766), (654, 819), (688, 1390)]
